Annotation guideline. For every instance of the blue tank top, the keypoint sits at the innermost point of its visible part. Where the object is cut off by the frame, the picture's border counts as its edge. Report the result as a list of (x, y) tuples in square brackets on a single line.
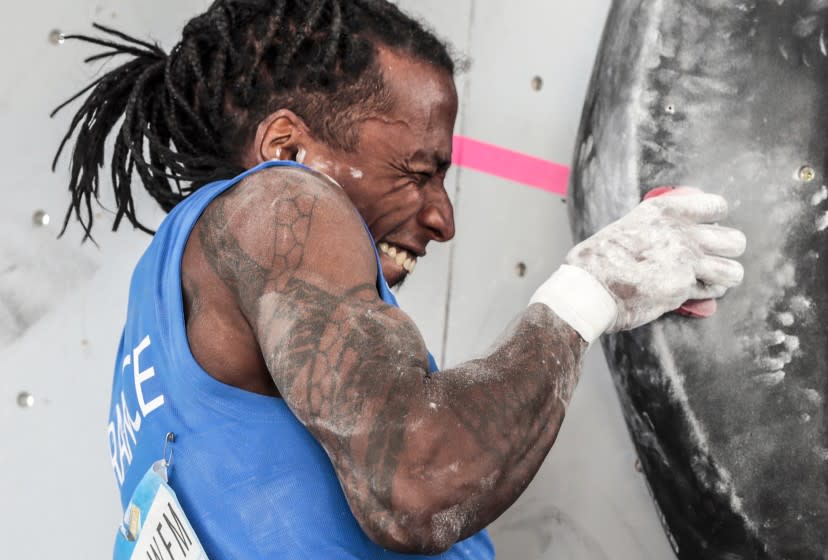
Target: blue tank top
[(253, 481)]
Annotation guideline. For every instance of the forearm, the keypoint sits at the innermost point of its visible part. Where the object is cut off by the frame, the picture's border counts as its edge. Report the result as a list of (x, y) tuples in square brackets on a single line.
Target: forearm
[(428, 460), (503, 413)]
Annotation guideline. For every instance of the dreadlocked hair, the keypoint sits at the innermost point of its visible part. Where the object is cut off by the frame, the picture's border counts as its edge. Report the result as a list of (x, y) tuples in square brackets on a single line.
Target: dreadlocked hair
[(187, 116)]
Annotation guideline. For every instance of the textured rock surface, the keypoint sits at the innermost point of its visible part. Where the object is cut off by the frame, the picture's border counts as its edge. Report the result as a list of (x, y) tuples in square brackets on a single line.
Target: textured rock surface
[(727, 413)]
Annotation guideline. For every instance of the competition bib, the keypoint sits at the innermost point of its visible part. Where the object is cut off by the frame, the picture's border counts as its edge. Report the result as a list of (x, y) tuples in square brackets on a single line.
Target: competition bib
[(155, 526)]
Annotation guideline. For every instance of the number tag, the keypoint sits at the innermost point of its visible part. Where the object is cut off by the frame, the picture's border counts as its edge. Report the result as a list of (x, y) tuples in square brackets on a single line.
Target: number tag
[(155, 526)]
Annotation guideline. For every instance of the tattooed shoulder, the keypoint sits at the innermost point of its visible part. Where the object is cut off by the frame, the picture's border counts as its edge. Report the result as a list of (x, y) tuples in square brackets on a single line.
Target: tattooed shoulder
[(276, 225)]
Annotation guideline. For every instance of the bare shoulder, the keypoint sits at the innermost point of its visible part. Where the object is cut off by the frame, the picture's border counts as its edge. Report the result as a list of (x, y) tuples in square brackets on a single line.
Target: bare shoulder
[(282, 224), (283, 201)]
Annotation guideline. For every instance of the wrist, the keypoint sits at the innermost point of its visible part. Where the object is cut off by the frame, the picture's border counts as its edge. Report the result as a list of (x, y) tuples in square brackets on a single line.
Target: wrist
[(580, 300)]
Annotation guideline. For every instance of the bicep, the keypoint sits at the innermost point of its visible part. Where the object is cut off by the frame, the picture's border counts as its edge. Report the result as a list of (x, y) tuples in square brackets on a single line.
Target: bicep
[(333, 356)]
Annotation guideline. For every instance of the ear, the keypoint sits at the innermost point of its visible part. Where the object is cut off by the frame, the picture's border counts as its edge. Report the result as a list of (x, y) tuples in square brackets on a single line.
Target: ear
[(281, 135)]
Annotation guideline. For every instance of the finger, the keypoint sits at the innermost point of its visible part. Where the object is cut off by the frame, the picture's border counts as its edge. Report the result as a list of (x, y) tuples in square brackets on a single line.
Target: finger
[(720, 241), (719, 271), (705, 291), (702, 208)]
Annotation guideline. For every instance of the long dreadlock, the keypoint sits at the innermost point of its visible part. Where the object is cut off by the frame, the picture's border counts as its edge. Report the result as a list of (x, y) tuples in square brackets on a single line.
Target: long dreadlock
[(188, 115)]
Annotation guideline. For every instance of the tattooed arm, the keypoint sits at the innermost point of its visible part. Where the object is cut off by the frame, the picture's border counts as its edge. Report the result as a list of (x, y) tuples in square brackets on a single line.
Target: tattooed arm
[(424, 461)]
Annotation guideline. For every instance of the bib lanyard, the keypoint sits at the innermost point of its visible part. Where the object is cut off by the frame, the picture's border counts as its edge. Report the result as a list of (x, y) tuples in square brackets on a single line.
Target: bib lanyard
[(154, 524)]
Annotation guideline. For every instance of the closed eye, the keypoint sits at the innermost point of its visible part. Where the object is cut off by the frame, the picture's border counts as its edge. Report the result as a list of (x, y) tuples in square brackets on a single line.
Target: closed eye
[(422, 179), (419, 177)]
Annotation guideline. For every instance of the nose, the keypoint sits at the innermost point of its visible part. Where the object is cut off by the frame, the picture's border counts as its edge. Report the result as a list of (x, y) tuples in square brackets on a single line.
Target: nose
[(437, 214)]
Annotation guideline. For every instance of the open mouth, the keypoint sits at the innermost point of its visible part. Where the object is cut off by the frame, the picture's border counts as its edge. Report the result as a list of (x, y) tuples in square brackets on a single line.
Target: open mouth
[(399, 255)]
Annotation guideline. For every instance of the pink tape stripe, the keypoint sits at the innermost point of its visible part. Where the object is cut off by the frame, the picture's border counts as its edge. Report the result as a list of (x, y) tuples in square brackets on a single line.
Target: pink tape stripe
[(511, 165)]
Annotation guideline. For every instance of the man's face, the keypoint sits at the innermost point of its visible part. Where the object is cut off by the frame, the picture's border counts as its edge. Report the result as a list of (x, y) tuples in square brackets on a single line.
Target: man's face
[(396, 176)]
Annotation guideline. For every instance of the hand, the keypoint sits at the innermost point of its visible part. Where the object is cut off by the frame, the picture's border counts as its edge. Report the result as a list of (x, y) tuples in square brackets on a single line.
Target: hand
[(663, 253)]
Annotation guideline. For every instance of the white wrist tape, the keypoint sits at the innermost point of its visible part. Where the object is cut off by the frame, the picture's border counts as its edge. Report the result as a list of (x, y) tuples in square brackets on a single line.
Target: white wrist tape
[(575, 296)]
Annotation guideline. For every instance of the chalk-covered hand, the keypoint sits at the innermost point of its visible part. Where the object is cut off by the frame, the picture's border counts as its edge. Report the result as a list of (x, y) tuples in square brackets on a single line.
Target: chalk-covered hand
[(664, 252)]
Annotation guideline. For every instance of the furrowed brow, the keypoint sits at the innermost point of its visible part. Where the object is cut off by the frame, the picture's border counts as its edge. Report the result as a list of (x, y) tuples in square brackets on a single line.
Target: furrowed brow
[(434, 160)]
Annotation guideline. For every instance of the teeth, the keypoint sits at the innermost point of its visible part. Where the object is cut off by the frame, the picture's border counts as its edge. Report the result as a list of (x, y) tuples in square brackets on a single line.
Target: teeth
[(400, 256)]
